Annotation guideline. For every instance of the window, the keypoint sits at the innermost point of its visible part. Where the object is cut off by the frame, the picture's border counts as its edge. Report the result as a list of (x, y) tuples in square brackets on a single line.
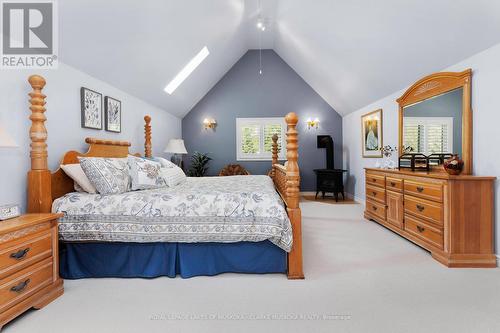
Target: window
[(254, 138), (428, 135)]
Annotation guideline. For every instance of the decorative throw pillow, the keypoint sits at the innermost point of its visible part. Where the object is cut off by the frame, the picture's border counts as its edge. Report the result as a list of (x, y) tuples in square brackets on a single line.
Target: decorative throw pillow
[(108, 175), (164, 162), (173, 176), (82, 183), (145, 174)]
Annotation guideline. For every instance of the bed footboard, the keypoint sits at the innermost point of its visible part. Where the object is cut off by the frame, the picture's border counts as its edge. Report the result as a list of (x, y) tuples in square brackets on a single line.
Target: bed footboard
[(287, 181)]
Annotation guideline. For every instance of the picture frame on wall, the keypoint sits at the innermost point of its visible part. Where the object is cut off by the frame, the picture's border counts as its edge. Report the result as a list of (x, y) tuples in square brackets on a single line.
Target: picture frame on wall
[(112, 114), (91, 108), (372, 134)]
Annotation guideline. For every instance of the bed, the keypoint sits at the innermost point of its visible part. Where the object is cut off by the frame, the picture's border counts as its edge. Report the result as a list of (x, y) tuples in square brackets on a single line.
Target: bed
[(206, 226)]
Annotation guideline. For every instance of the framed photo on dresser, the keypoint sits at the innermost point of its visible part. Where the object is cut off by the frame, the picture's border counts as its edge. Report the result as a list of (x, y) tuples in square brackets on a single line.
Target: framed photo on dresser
[(91, 108), (371, 134), (112, 114)]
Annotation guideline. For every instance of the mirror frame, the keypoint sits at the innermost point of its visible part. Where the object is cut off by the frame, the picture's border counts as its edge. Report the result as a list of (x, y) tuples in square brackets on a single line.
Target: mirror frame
[(437, 84)]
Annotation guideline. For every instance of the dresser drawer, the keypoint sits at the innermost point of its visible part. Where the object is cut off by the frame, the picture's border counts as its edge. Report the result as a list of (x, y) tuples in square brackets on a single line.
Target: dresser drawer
[(376, 209), (23, 252), (424, 209), (424, 231), (375, 180), (424, 190), (16, 287), (375, 193), (394, 184)]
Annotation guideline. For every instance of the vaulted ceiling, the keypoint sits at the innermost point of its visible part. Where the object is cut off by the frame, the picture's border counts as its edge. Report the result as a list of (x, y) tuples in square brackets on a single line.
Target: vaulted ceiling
[(351, 52)]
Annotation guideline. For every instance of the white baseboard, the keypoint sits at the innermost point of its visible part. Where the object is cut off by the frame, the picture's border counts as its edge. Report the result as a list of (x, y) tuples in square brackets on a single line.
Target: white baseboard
[(498, 260), (356, 198)]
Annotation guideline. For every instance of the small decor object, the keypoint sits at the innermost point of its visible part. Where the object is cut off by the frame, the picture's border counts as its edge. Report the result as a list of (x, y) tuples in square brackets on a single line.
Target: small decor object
[(234, 170), (371, 132), (113, 114), (387, 153), (209, 123), (9, 211), (454, 165), (312, 123), (91, 104), (414, 161), (199, 164), (177, 148)]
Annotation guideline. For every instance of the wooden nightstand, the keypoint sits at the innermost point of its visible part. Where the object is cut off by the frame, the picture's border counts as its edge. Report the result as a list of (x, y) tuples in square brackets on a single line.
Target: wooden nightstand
[(29, 264)]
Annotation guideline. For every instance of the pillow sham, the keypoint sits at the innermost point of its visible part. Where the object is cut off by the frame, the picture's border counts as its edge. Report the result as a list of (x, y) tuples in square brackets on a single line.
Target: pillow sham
[(173, 176), (164, 162), (145, 174), (108, 175), (82, 182)]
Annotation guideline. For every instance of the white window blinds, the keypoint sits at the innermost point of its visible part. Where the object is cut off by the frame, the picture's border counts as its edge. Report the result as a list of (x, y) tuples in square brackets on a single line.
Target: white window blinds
[(254, 138), (428, 135)]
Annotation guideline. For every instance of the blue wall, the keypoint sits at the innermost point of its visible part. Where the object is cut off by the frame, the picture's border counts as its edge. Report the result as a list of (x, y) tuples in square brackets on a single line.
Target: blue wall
[(242, 92)]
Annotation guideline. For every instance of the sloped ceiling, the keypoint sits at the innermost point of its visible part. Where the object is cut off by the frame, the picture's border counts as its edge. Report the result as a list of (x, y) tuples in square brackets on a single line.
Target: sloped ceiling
[(351, 52)]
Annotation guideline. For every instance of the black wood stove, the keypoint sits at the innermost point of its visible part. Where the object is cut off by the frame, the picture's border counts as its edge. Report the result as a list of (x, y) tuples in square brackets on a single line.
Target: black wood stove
[(329, 180)]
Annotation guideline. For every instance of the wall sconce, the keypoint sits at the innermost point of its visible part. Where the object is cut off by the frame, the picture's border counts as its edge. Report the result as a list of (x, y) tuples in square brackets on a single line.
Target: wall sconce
[(312, 123), (209, 123)]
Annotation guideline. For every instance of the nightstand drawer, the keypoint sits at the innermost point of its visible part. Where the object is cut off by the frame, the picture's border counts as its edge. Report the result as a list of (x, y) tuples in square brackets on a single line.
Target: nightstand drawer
[(15, 288), (23, 252)]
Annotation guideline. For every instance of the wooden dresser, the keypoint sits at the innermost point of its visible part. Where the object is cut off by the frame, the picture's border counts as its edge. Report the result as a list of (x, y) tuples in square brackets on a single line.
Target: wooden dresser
[(29, 264), (450, 216)]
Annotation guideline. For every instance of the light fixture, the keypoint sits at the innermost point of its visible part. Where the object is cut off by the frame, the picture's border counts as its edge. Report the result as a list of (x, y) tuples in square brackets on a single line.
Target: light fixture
[(177, 148), (312, 123), (209, 123), (187, 70)]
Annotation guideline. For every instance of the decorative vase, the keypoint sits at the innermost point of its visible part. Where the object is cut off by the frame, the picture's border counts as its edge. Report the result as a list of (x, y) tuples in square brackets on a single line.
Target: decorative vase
[(454, 165)]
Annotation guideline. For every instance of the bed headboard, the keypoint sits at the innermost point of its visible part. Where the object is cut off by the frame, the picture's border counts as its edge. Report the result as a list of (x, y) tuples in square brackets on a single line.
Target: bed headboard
[(44, 186)]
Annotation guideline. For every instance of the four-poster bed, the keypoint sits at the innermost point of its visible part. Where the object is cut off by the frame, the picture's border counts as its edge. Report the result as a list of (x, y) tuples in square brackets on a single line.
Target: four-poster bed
[(46, 189)]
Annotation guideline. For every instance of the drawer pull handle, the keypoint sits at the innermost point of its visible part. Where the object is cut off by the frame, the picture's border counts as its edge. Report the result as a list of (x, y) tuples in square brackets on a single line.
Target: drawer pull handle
[(374, 207), (19, 288), (420, 189), (374, 193), (420, 208), (20, 255), (420, 229), (374, 180), (393, 184)]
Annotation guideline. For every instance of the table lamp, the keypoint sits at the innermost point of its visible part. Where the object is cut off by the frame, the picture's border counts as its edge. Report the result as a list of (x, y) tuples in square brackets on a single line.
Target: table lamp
[(177, 148)]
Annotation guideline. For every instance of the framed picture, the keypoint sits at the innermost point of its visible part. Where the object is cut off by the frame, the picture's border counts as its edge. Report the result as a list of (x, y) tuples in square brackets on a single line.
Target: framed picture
[(371, 134), (113, 114), (91, 104)]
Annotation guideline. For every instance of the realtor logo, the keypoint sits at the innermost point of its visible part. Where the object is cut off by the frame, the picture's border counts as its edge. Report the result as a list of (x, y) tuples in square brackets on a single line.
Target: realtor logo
[(29, 38)]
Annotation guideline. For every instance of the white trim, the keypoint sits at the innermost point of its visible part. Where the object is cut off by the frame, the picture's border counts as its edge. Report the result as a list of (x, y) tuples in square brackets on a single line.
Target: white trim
[(498, 260), (261, 122)]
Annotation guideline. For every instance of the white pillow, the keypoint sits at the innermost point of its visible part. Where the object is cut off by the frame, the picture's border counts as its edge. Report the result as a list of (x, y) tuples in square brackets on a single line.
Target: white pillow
[(108, 175), (145, 174), (173, 176), (82, 182), (164, 162)]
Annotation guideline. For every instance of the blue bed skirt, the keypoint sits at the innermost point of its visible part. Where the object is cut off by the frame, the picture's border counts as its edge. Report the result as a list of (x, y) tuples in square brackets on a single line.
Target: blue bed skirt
[(149, 260)]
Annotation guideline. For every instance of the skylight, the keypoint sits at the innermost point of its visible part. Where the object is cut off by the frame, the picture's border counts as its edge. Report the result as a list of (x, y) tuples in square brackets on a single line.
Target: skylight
[(187, 70)]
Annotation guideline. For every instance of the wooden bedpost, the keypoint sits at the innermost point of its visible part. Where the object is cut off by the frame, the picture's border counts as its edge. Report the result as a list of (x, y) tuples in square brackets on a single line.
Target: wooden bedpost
[(147, 136), (295, 270), (274, 151), (39, 178)]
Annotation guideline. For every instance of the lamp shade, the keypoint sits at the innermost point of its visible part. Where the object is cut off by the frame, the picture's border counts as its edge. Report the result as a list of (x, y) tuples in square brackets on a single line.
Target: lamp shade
[(176, 146), (6, 140)]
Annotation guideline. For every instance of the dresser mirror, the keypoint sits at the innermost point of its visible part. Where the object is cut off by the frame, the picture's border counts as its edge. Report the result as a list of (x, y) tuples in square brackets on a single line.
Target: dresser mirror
[(435, 118)]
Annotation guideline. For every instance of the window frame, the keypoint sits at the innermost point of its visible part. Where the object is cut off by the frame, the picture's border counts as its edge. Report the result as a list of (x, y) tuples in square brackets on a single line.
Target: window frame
[(261, 122), (425, 121)]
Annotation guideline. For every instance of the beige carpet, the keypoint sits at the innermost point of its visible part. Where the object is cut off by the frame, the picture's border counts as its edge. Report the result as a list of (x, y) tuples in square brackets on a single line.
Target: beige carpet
[(360, 277)]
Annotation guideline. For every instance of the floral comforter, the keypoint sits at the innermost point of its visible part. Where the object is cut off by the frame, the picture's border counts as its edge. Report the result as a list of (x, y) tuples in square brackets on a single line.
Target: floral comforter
[(207, 209)]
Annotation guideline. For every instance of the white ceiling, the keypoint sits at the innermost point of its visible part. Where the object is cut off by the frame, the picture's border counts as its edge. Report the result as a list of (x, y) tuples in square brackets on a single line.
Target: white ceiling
[(351, 52)]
